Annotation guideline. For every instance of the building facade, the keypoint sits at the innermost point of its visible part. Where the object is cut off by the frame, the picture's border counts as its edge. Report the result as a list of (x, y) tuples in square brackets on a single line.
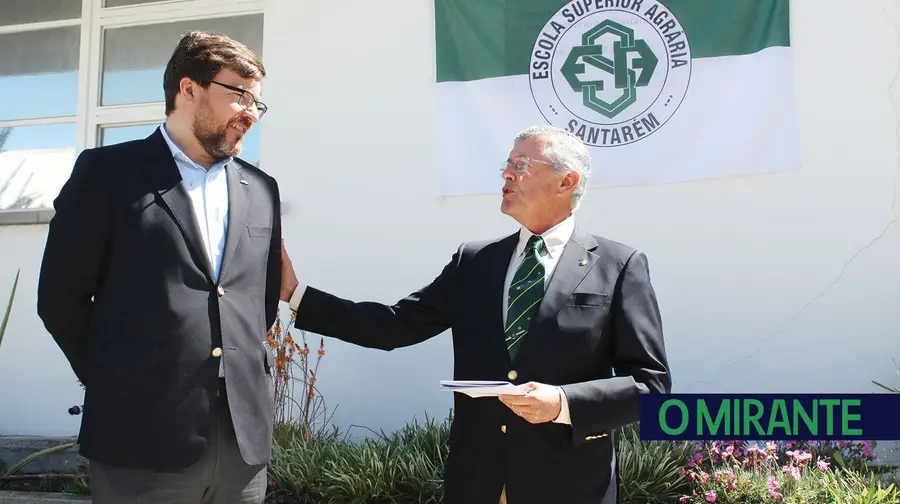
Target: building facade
[(781, 282)]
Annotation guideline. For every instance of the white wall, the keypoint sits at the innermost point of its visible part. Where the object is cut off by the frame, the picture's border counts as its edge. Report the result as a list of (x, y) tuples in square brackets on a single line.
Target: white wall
[(759, 279)]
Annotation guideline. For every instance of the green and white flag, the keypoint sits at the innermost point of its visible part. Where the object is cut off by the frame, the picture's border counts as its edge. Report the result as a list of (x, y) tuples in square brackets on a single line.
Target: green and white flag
[(661, 91)]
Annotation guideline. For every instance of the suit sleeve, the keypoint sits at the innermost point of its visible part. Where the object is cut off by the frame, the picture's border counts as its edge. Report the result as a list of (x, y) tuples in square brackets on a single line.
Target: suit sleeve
[(273, 262), (639, 359), (415, 318), (73, 260)]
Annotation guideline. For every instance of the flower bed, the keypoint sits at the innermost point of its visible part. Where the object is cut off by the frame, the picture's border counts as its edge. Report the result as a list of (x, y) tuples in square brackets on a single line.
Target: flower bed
[(801, 472)]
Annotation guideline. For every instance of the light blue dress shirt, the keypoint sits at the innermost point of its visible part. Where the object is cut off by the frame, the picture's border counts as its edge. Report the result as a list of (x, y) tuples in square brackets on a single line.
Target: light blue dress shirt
[(208, 190)]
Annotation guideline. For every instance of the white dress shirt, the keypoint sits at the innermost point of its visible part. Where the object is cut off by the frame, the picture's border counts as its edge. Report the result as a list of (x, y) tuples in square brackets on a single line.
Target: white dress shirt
[(208, 190), (555, 240)]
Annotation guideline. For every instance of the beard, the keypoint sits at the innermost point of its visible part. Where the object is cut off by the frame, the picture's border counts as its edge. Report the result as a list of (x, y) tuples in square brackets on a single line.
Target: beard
[(213, 135)]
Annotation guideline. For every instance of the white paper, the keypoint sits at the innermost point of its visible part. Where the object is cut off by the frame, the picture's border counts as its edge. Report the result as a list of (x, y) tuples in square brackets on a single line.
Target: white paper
[(480, 388)]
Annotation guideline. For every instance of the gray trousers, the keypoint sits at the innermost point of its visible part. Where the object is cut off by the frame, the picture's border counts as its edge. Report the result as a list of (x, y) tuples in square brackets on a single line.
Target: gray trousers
[(220, 477)]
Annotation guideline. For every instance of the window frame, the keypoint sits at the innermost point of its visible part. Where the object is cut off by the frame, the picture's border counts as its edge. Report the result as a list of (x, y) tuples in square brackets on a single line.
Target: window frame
[(90, 116)]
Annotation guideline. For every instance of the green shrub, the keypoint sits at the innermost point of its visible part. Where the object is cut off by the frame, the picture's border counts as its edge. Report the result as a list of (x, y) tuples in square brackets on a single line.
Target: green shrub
[(403, 467), (406, 466), (652, 472)]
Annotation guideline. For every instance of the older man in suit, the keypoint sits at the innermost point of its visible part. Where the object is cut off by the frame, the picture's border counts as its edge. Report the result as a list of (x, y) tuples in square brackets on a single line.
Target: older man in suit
[(570, 317), (160, 278)]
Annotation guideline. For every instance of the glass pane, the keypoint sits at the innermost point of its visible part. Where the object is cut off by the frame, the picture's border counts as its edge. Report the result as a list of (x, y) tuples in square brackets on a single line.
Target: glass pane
[(39, 73), (110, 135), (35, 161), (119, 3), (135, 57), (250, 152), (36, 11)]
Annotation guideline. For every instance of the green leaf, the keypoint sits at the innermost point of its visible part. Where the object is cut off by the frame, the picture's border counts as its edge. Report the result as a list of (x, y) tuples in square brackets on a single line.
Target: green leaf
[(12, 296), (889, 389), (34, 456), (839, 459)]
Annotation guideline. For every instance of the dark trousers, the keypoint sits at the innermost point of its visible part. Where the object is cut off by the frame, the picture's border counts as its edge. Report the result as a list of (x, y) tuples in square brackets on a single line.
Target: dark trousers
[(220, 477)]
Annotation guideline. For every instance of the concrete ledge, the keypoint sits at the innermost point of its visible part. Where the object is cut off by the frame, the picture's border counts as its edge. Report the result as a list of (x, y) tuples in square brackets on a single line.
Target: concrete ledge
[(41, 498), (20, 217), (15, 448)]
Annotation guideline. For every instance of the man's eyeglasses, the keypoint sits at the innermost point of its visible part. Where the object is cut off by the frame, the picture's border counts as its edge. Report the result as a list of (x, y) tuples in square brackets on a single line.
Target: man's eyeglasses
[(520, 165), (246, 99)]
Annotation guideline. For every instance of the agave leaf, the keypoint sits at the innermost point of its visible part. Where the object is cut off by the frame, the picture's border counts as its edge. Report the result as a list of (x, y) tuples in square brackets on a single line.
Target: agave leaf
[(12, 296), (889, 389)]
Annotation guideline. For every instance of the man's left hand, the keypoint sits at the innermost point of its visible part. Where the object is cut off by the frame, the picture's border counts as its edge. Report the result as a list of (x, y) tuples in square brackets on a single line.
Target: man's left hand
[(540, 404), (289, 280)]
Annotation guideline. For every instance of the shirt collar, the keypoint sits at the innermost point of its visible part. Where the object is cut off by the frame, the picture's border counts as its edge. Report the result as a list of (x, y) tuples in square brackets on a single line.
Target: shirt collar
[(555, 238), (179, 154)]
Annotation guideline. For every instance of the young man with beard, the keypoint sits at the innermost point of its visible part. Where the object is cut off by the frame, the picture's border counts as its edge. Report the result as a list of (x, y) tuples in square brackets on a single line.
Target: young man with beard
[(160, 278)]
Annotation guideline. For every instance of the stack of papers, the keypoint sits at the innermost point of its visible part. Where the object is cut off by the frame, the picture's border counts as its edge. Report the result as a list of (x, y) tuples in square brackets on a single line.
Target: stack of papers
[(479, 388)]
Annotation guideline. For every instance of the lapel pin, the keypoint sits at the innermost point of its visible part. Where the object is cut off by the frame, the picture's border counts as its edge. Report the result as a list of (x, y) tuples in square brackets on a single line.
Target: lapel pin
[(244, 182), (582, 261)]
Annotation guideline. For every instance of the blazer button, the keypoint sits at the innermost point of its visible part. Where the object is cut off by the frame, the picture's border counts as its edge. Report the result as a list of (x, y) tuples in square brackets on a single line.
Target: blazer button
[(512, 375), (503, 429), (217, 352), (220, 291)]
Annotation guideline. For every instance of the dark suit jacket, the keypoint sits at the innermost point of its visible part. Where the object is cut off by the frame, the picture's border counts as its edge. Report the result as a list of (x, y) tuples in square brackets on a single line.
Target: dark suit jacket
[(599, 318), (127, 291)]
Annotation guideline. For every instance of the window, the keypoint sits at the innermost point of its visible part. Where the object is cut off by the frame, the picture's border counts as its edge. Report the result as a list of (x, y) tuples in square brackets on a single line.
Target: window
[(39, 67), (38, 11), (134, 61), (85, 73), (110, 135), (120, 3)]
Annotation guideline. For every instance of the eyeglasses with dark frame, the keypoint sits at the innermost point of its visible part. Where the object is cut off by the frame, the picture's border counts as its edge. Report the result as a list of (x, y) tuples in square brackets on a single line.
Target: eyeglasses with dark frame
[(246, 99)]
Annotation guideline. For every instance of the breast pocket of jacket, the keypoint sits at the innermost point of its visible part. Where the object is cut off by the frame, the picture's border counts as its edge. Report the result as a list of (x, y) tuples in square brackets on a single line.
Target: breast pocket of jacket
[(588, 300), (260, 232), (584, 314)]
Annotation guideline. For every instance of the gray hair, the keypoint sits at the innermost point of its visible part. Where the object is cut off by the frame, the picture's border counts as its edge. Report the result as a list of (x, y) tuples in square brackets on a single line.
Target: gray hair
[(567, 153)]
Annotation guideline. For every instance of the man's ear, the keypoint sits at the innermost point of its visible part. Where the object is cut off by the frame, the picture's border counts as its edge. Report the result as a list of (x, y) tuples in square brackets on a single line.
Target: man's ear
[(568, 182), (188, 89)]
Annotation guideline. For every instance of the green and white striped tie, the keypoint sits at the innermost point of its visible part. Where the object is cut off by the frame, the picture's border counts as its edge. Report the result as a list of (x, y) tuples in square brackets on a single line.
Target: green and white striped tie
[(525, 294)]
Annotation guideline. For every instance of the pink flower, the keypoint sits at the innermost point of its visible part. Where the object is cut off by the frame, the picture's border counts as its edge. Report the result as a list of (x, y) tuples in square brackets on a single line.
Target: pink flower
[(710, 496), (773, 483), (802, 457), (823, 466), (730, 482), (775, 494), (794, 471), (684, 499), (697, 459), (771, 447)]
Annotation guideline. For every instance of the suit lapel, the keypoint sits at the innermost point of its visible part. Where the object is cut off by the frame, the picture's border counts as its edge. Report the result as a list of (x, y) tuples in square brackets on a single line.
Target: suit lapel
[(576, 261), (238, 202), (163, 174), (495, 266)]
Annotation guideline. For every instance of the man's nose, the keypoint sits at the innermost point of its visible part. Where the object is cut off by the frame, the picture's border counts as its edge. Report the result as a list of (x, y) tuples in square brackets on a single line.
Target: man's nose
[(251, 114)]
